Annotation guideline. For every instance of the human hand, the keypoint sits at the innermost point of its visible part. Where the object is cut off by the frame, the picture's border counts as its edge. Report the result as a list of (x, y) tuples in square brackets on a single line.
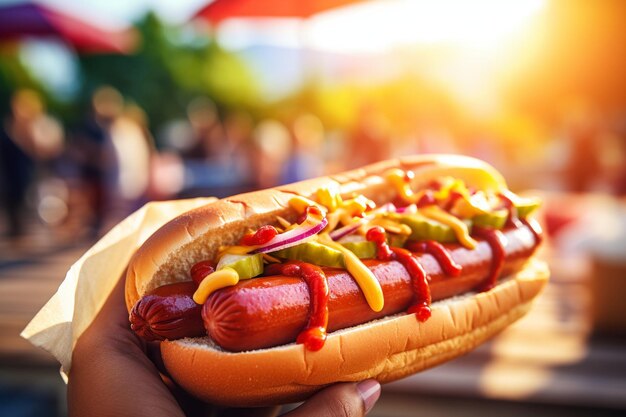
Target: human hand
[(115, 373)]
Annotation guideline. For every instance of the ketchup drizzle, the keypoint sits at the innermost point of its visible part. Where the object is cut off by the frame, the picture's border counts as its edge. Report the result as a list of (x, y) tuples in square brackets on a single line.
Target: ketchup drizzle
[(419, 279), (377, 235), (452, 199), (497, 242), (260, 237), (314, 334), (535, 228), (427, 199), (440, 253), (512, 219)]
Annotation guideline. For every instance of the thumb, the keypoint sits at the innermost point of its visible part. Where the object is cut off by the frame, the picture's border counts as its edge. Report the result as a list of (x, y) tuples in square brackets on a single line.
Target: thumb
[(341, 400)]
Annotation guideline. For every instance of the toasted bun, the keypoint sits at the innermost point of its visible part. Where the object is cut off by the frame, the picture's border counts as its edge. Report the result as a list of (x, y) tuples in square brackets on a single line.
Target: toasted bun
[(387, 349)]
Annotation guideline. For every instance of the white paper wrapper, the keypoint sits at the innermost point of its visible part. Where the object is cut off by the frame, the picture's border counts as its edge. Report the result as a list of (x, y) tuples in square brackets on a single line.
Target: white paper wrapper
[(88, 283)]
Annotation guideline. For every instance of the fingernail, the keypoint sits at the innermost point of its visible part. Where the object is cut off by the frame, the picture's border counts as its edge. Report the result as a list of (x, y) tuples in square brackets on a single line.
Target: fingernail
[(369, 390)]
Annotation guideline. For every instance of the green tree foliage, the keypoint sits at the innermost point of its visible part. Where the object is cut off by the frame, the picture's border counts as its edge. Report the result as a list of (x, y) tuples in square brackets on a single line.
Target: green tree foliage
[(13, 76), (170, 67)]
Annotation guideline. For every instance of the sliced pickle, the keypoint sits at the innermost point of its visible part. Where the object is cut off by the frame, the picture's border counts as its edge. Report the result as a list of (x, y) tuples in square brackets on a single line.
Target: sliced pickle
[(247, 266), (397, 241), (313, 253), (362, 249), (427, 229), (525, 206), (495, 220)]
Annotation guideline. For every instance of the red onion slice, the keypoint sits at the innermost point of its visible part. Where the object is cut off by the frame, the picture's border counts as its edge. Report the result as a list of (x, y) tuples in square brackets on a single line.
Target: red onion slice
[(410, 209), (300, 234), (346, 230), (350, 228)]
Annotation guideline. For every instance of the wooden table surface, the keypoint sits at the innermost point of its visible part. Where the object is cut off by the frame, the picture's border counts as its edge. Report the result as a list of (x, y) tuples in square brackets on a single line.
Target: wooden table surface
[(31, 269)]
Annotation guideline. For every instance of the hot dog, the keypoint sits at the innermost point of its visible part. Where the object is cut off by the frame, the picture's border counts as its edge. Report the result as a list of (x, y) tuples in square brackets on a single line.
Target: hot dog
[(170, 313), (291, 299), (258, 302)]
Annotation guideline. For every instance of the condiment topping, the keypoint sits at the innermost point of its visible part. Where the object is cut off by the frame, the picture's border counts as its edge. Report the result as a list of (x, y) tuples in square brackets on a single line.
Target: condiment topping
[(444, 211), (440, 253), (223, 278), (401, 180), (260, 237), (362, 275), (377, 236), (535, 228), (314, 334), (513, 218), (419, 280), (460, 229)]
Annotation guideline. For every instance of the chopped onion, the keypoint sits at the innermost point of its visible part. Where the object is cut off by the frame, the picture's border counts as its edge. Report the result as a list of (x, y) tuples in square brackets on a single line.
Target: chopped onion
[(295, 236)]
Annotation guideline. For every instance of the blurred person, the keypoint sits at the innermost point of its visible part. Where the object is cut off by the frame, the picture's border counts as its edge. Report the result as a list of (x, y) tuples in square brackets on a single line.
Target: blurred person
[(207, 133), (272, 144), (28, 138), (611, 156), (582, 135), (167, 170), (94, 153), (434, 137), (167, 176), (237, 150), (176, 136), (307, 159), (334, 151), (425, 135), (619, 173), (206, 158), (370, 139), (133, 147)]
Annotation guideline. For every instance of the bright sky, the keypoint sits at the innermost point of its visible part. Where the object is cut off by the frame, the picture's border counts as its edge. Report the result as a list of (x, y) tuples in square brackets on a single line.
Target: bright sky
[(376, 26), (119, 13), (477, 30), (367, 27)]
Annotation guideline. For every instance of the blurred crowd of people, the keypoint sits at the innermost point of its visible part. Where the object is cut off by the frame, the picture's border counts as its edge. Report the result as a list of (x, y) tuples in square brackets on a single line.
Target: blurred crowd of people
[(109, 164)]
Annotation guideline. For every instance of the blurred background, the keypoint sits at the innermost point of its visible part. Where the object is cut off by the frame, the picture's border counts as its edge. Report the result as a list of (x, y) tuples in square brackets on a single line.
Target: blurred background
[(107, 104)]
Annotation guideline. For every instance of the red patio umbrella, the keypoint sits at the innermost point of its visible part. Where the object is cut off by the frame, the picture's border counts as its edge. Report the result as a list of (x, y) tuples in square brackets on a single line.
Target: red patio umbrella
[(220, 10), (24, 20)]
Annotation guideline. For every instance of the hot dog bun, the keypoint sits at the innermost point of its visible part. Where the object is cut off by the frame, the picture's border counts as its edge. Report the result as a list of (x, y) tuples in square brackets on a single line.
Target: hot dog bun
[(386, 349)]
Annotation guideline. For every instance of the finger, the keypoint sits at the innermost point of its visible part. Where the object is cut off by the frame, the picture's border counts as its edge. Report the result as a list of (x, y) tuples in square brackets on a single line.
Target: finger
[(250, 412), (153, 351), (341, 400), (111, 322)]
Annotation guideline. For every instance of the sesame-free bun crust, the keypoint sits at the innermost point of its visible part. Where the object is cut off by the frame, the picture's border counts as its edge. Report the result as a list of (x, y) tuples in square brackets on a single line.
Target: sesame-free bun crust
[(387, 349)]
